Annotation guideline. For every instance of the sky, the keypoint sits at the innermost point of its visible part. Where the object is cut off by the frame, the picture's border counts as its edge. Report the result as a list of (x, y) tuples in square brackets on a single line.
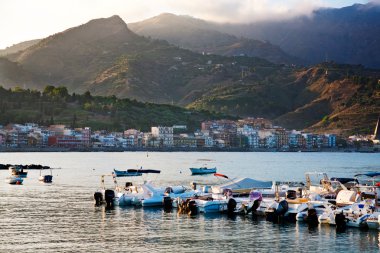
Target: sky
[(22, 20)]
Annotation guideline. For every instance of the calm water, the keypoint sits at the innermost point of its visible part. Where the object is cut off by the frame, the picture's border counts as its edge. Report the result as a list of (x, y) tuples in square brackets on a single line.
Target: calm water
[(61, 217)]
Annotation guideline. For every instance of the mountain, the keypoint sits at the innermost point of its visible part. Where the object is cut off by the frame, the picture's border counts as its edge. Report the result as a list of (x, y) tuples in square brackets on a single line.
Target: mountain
[(12, 75), (76, 55), (339, 98), (18, 47), (347, 35), (106, 58), (200, 36)]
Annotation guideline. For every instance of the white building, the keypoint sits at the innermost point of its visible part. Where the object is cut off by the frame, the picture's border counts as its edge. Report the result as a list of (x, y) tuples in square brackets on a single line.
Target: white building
[(164, 135)]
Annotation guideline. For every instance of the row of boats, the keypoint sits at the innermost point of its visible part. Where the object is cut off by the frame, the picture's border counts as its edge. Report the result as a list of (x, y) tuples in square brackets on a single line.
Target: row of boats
[(336, 201), (18, 173)]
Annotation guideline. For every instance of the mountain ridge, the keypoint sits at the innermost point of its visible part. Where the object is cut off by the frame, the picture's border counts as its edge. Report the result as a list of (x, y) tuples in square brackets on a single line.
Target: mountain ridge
[(106, 58)]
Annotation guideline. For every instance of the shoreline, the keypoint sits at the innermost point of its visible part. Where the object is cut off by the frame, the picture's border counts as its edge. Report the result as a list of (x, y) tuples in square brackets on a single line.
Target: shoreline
[(55, 149)]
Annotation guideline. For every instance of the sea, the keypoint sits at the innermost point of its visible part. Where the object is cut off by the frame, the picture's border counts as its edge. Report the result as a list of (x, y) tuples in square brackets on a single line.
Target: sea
[(61, 217)]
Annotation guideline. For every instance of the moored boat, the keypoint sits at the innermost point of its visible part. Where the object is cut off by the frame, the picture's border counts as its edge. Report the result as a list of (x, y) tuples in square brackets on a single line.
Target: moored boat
[(14, 180), (202, 170), (133, 172), (18, 171), (46, 178)]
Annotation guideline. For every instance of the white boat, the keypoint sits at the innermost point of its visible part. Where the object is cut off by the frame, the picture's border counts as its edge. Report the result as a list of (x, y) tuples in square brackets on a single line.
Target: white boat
[(202, 170), (153, 196), (355, 215), (14, 180), (318, 206), (373, 221)]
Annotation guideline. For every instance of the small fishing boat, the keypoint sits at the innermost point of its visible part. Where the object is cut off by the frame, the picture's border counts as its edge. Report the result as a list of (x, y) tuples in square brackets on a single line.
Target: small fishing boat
[(18, 171), (133, 172), (127, 173), (202, 170), (46, 178), (14, 180)]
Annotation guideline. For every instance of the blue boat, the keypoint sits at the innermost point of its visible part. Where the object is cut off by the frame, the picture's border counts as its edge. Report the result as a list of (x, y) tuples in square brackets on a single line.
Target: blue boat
[(202, 170), (133, 172)]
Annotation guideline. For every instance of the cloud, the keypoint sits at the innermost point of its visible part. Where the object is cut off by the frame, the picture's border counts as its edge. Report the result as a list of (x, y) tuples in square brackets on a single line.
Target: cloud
[(24, 20), (246, 10)]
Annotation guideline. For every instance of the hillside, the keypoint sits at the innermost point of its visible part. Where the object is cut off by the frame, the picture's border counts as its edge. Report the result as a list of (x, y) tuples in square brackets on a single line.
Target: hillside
[(347, 35), (18, 47), (199, 36), (331, 97), (56, 106), (106, 58), (12, 74)]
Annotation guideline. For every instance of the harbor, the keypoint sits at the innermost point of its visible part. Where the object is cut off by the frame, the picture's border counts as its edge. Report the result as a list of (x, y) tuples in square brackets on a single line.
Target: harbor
[(71, 222)]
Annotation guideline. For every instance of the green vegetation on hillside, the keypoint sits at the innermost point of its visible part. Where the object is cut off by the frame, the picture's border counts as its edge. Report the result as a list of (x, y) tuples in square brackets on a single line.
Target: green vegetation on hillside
[(56, 106)]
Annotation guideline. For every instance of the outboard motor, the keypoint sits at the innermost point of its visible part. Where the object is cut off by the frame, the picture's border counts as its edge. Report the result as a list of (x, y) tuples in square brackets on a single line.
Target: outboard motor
[(98, 197), (278, 214), (340, 222), (312, 217), (291, 194), (282, 208), (231, 205), (168, 190), (192, 208), (167, 203), (256, 197), (109, 195)]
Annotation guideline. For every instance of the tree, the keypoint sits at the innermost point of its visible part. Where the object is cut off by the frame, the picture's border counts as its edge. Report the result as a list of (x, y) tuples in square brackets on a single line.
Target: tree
[(48, 91)]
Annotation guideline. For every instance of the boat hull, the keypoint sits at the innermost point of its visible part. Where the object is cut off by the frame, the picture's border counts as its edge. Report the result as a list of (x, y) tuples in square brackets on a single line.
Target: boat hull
[(201, 171)]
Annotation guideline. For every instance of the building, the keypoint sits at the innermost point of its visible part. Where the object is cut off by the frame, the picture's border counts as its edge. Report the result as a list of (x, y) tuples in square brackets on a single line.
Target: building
[(185, 141), (164, 135)]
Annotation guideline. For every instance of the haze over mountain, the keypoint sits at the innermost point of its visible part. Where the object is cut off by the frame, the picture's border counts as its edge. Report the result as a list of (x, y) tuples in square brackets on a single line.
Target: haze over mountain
[(18, 47), (200, 36), (347, 35), (106, 58)]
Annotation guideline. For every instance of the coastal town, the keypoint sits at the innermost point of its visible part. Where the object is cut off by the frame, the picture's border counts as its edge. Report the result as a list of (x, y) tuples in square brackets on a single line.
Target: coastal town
[(250, 134)]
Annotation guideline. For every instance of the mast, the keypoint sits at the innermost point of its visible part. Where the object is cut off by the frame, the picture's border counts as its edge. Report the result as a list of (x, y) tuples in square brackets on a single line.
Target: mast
[(376, 134)]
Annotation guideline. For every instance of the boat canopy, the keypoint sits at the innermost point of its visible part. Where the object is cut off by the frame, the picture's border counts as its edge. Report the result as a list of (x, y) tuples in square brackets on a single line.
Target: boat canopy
[(369, 174), (246, 183), (344, 180)]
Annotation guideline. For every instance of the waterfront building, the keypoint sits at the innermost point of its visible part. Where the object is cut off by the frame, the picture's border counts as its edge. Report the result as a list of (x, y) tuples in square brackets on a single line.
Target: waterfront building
[(64, 141), (164, 135), (282, 138), (253, 140), (185, 141), (3, 136), (246, 130), (271, 141)]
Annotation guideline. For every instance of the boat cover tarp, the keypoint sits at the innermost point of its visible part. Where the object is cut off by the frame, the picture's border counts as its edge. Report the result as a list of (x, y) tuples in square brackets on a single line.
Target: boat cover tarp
[(369, 174), (143, 171), (344, 180), (246, 183)]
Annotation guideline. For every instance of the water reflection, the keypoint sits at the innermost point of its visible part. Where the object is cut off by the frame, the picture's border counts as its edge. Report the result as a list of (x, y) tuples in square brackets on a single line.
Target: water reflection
[(61, 217)]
